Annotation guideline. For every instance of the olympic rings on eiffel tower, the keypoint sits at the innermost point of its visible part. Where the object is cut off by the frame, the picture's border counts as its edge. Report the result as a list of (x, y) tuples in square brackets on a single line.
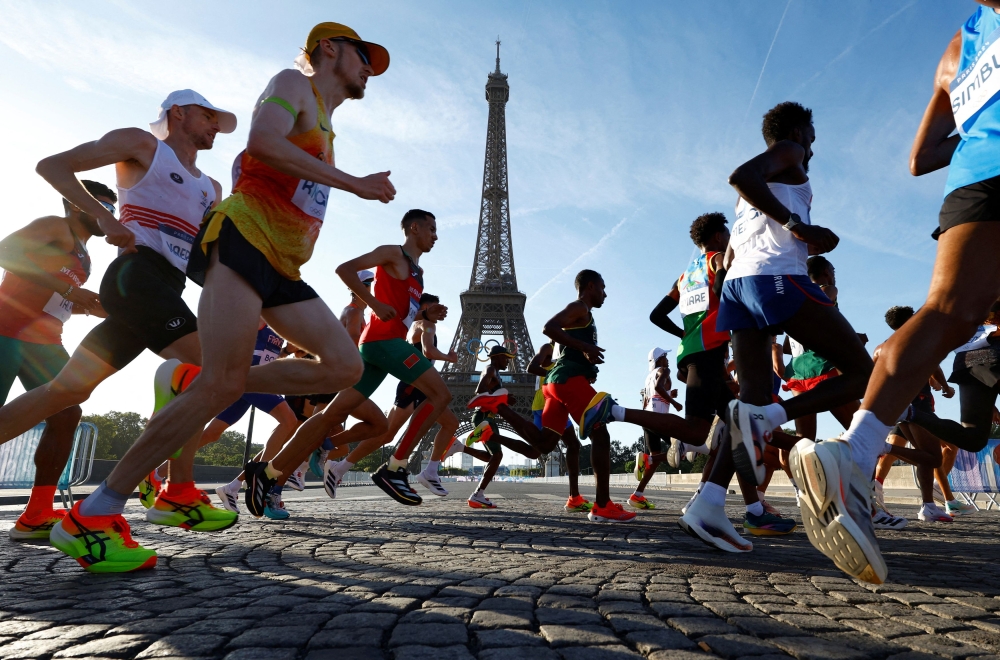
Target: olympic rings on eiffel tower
[(481, 350)]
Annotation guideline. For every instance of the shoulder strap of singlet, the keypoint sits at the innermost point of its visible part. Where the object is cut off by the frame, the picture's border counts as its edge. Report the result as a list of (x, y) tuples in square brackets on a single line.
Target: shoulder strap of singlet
[(420, 271)]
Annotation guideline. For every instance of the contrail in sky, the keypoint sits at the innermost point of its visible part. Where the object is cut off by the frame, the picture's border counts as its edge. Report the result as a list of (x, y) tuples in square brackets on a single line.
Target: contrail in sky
[(766, 58), (595, 248)]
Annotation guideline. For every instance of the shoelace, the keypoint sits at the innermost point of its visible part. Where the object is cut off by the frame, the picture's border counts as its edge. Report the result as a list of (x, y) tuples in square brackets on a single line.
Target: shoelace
[(125, 533)]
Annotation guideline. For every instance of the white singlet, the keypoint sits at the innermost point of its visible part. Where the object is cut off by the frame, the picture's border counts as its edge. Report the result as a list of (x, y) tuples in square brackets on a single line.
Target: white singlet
[(651, 398), (164, 210), (761, 245)]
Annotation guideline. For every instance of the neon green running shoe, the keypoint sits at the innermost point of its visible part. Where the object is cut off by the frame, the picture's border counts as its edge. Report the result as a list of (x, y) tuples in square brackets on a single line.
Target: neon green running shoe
[(190, 510), (101, 544), (481, 433), (149, 489)]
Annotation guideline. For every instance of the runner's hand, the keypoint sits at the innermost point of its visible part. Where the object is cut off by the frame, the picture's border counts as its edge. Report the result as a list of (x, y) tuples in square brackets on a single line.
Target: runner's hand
[(99, 311), (594, 353), (820, 238), (452, 357), (376, 186), (948, 391), (436, 312), (87, 300), (383, 311), (116, 234)]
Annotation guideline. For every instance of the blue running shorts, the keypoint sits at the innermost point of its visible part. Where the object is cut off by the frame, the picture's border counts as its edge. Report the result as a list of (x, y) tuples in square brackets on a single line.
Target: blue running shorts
[(262, 402), (765, 301)]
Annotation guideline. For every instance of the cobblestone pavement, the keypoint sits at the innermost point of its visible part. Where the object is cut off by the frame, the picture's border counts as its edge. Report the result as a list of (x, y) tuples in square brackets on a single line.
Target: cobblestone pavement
[(362, 577)]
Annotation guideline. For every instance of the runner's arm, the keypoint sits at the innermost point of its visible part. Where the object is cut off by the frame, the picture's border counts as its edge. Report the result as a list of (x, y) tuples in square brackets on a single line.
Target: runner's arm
[(662, 385), (574, 315), (934, 143), (14, 251), (778, 358), (348, 272), (119, 146), (542, 358), (432, 352), (718, 264), (940, 383), (268, 142), (659, 316), (487, 380)]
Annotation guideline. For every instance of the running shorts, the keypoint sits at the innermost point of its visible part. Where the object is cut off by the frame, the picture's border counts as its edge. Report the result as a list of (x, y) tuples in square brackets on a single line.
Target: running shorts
[(806, 384), (924, 403), (389, 356), (765, 301), (976, 202), (141, 292), (654, 441), (32, 364), (536, 417), (249, 263), (706, 392), (408, 395), (565, 400), (492, 446), (262, 402)]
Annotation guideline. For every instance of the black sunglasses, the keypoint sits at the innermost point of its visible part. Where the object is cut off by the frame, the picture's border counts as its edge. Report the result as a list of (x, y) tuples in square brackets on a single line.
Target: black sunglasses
[(359, 46)]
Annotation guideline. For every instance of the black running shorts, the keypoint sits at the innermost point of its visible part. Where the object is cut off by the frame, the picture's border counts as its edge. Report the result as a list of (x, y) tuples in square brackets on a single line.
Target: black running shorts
[(141, 292), (976, 202), (706, 393), (237, 253), (408, 395), (654, 441)]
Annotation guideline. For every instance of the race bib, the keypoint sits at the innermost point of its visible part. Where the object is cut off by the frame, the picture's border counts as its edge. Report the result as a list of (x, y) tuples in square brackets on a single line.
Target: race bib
[(263, 357), (977, 84), (176, 246), (979, 340), (414, 310), (311, 198), (59, 307), (693, 301)]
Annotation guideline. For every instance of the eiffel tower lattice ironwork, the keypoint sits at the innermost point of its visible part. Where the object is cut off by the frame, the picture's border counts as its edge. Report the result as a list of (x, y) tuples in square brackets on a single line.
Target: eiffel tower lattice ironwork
[(492, 307)]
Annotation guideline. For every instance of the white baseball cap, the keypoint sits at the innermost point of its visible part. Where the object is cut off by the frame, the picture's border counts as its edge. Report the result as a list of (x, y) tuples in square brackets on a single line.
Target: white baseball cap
[(365, 275), (159, 128), (655, 355)]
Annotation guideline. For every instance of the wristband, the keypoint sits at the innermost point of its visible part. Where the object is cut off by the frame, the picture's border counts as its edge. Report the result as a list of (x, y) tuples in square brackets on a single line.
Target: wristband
[(69, 291)]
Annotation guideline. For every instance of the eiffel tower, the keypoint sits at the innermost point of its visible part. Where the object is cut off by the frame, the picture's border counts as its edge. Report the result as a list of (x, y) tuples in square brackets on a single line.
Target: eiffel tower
[(492, 307)]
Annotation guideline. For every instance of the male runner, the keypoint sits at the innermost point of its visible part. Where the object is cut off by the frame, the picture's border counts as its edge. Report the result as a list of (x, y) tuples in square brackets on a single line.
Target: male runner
[(247, 257), (657, 397), (395, 303), (767, 290), (966, 282), (46, 264)]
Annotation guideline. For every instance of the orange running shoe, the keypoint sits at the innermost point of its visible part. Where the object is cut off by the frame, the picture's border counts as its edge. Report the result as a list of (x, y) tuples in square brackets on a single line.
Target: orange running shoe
[(101, 544), (611, 512), (191, 509), (578, 504), (37, 527), (640, 502)]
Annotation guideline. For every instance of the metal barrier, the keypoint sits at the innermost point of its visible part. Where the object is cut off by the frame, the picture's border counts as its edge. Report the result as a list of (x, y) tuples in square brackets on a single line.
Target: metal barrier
[(17, 460), (356, 478), (974, 475)]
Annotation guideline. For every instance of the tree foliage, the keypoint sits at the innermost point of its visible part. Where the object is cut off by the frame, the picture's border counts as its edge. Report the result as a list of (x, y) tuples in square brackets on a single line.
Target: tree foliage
[(227, 450)]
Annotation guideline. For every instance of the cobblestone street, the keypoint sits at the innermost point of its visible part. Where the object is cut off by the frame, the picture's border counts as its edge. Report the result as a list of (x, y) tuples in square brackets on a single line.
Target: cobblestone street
[(362, 577)]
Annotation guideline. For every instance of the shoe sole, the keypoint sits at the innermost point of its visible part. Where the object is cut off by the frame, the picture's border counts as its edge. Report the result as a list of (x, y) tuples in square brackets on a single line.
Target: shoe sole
[(641, 507), (582, 509), (224, 500), (477, 505), (167, 519), (830, 529), (37, 535), (393, 493), (595, 518), (702, 535), (674, 453), (744, 461), (715, 433), (426, 483), (890, 527), (758, 531), (65, 543)]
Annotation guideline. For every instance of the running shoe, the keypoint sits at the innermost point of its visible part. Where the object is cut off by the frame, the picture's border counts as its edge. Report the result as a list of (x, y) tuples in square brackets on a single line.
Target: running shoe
[(101, 544), (297, 479), (316, 462), (431, 483), (190, 510), (149, 489), (488, 401), (454, 447), (710, 525), (770, 509), (642, 464), (690, 501), (39, 527), (640, 502), (715, 433), (171, 378), (690, 456), (395, 484), (330, 479), (841, 530), (768, 524), (480, 501), (611, 512), (931, 512), (258, 486), (956, 508), (578, 504), (481, 433), (883, 520), (230, 499), (675, 453), (878, 495), (598, 412), (275, 508), (749, 431)]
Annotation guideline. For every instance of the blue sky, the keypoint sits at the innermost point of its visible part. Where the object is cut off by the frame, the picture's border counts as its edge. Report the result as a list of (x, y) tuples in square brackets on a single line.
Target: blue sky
[(623, 124)]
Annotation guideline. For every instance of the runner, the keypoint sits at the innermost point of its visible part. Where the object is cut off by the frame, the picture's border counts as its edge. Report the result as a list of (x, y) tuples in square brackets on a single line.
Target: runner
[(46, 264), (966, 282), (395, 303), (657, 397), (264, 232), (766, 290)]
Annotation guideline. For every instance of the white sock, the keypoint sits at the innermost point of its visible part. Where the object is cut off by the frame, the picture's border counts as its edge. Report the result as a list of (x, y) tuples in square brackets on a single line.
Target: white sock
[(698, 449), (234, 485), (756, 509), (713, 494), (340, 468), (637, 493), (775, 414), (432, 467), (618, 413), (866, 437)]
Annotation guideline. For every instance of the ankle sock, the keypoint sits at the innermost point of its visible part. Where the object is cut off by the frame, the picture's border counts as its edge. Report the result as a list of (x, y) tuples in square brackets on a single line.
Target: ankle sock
[(103, 502), (618, 413), (271, 472), (756, 509), (40, 501), (235, 484), (396, 463), (713, 494), (775, 414), (432, 467), (638, 493), (866, 437), (340, 468)]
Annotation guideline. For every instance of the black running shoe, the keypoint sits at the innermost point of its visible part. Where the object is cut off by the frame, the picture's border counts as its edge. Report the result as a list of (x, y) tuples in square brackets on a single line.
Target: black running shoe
[(396, 485), (258, 486)]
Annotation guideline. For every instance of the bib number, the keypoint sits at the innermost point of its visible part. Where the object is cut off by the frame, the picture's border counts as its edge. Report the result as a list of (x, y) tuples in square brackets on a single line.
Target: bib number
[(693, 301), (414, 310), (311, 198), (59, 307), (263, 357), (977, 85), (176, 246)]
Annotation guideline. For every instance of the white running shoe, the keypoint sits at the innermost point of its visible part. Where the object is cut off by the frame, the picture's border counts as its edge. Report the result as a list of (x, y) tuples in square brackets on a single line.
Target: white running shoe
[(878, 495), (431, 483), (480, 501), (931, 512), (675, 452), (710, 525), (229, 498), (749, 432), (297, 479), (956, 508), (455, 447), (883, 520), (330, 479), (690, 501), (715, 433), (841, 530)]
